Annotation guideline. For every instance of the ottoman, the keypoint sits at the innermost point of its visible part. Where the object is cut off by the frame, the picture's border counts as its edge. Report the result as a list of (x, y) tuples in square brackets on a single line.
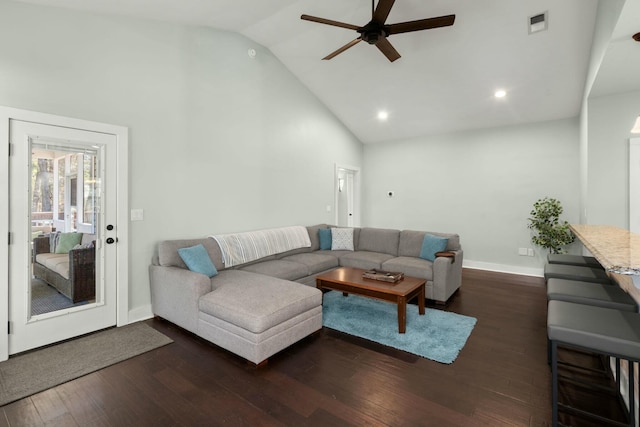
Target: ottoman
[(256, 316)]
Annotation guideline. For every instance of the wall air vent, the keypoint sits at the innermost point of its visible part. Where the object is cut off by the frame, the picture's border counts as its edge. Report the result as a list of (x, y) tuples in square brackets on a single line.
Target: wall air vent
[(538, 22)]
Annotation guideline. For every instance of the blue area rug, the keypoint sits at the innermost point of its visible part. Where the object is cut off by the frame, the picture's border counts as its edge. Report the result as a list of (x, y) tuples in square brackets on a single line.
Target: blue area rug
[(437, 335)]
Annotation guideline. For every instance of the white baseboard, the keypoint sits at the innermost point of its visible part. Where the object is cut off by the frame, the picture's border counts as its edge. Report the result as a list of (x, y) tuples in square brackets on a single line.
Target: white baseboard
[(139, 314), (504, 268)]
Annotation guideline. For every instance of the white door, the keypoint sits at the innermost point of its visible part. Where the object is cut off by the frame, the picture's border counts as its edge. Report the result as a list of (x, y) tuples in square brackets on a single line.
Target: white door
[(347, 196), (92, 157)]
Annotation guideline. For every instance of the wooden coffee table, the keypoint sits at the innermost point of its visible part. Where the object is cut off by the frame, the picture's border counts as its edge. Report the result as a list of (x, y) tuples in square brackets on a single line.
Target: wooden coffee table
[(350, 281)]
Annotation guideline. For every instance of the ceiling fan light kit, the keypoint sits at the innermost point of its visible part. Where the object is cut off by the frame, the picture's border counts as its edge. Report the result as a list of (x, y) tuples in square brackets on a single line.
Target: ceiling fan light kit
[(377, 30)]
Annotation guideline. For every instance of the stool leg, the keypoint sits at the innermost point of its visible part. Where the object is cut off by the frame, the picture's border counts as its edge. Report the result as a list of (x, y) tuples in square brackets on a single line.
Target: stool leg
[(554, 383), (632, 395)]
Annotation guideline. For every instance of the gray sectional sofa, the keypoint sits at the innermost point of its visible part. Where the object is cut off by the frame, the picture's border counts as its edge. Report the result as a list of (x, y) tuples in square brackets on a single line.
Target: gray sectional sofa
[(259, 308)]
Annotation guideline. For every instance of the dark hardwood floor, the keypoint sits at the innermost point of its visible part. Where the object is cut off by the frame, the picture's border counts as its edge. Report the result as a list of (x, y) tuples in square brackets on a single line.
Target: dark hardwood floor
[(501, 377)]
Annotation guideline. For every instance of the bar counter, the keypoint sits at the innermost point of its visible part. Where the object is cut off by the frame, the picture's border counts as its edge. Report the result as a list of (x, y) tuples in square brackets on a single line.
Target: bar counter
[(617, 249)]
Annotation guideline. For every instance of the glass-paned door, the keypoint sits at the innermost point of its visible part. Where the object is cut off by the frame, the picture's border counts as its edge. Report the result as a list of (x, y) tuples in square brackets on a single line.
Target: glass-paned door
[(62, 281)]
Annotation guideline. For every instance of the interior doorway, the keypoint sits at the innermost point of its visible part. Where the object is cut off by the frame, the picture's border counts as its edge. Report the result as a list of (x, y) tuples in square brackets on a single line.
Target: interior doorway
[(634, 185), (64, 214), (347, 196)]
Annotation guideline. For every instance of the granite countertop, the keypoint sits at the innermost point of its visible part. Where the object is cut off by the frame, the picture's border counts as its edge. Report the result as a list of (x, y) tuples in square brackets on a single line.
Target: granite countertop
[(617, 249)]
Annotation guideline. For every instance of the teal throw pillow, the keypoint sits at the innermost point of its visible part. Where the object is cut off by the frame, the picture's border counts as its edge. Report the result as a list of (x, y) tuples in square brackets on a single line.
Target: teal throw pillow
[(198, 260), (66, 242), (432, 244), (325, 238)]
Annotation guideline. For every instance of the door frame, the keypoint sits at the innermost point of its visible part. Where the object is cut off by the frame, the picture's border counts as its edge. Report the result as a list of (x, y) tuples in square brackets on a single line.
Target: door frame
[(634, 186), (122, 186), (356, 192)]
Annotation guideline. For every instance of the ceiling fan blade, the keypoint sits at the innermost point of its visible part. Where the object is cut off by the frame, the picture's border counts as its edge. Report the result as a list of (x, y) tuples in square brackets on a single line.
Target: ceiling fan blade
[(421, 24), (329, 22), (343, 48), (387, 49), (382, 10)]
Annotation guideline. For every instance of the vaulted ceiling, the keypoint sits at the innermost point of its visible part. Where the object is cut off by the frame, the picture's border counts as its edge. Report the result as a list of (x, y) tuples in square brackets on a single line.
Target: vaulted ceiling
[(446, 78)]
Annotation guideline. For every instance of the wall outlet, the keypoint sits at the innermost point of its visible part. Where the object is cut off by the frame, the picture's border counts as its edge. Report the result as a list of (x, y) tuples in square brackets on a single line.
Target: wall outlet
[(530, 252), (522, 251)]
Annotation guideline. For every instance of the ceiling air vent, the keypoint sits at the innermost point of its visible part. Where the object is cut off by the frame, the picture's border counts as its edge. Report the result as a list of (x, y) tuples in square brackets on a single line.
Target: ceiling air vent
[(538, 22)]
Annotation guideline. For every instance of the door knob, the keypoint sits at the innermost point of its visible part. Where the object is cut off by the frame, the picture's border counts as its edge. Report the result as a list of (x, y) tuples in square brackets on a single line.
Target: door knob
[(109, 227), (110, 240)]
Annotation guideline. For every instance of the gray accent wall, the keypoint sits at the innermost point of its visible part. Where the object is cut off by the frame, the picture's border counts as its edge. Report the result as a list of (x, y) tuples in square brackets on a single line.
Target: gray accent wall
[(219, 142), (480, 184)]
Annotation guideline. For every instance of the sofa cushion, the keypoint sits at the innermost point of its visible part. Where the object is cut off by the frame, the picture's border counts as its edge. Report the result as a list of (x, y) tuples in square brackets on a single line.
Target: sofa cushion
[(324, 234), (53, 241), (315, 262), (168, 252), (411, 242), (410, 266), (256, 302), (197, 259), (364, 260), (313, 235), (58, 263), (379, 240), (335, 254), (66, 242), (87, 239), (342, 239), (432, 244), (279, 268)]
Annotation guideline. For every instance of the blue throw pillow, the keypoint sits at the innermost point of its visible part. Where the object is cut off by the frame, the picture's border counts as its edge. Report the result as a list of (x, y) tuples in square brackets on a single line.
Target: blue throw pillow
[(432, 244), (325, 238), (198, 260)]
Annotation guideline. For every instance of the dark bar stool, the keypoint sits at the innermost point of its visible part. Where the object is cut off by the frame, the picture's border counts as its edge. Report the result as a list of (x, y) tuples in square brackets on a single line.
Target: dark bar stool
[(589, 293), (577, 260), (572, 272), (598, 330)]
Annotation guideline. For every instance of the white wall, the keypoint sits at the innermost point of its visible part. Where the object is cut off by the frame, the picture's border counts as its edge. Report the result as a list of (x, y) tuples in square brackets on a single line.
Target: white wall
[(480, 184), (606, 18), (219, 142), (610, 120)]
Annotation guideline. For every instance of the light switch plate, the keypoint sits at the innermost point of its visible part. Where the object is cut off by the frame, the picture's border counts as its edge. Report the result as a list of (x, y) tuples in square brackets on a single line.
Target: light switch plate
[(137, 214)]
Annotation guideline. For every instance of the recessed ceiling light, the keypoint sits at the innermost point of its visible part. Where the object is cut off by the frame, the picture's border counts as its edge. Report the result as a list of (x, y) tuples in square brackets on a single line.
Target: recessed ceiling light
[(501, 93), (383, 115)]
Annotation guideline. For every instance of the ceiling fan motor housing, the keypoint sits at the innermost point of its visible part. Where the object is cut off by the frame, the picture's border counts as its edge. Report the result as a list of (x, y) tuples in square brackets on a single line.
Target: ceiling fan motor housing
[(376, 31), (373, 32)]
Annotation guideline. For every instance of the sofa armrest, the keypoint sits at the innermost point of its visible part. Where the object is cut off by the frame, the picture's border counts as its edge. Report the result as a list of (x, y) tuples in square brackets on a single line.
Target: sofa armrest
[(447, 254), (82, 256), (82, 265), (447, 275), (40, 246), (175, 293)]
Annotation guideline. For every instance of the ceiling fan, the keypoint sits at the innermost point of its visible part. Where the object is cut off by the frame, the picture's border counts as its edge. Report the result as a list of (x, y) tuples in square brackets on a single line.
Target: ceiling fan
[(377, 31)]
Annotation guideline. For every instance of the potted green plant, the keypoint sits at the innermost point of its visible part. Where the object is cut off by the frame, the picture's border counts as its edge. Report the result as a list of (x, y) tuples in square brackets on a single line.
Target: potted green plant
[(550, 232)]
